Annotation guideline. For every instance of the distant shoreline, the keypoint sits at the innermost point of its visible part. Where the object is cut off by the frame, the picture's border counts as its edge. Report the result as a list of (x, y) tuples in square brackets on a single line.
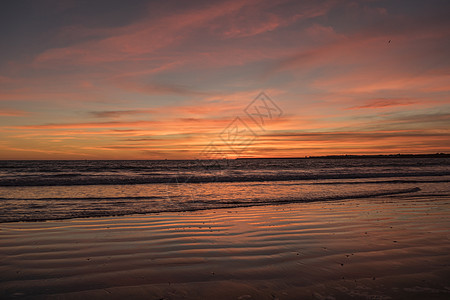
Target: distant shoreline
[(359, 156), (343, 156)]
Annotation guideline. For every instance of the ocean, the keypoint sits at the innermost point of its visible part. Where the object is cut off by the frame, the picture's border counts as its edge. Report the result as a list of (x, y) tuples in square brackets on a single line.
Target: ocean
[(52, 190)]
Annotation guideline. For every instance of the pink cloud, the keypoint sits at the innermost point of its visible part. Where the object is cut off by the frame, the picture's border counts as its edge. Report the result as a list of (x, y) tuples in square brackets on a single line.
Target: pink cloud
[(145, 37), (340, 49), (153, 88), (175, 123), (322, 33), (384, 102), (120, 113), (12, 113)]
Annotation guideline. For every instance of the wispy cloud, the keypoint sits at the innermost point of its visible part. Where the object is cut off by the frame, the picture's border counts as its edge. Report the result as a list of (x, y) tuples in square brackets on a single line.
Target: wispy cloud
[(119, 113), (144, 37), (13, 113), (200, 122), (384, 103)]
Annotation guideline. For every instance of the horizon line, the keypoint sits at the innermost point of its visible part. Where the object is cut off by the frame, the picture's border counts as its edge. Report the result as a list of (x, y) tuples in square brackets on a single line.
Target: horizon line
[(438, 154)]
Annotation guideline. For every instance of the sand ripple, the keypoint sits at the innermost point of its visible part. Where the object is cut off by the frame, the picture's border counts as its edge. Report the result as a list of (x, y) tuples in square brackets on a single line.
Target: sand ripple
[(383, 248)]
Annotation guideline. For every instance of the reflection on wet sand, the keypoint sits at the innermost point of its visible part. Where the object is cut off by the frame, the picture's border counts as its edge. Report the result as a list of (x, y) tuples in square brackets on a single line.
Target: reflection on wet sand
[(395, 247)]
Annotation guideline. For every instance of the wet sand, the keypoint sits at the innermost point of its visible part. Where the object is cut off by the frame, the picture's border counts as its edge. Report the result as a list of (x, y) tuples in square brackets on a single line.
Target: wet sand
[(380, 248)]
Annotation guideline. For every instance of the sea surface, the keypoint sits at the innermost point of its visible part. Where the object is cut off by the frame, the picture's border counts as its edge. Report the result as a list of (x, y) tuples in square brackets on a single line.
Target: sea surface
[(51, 190)]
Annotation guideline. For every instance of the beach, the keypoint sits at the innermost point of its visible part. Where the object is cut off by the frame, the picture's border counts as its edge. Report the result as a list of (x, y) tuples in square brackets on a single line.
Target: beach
[(391, 247), (212, 150)]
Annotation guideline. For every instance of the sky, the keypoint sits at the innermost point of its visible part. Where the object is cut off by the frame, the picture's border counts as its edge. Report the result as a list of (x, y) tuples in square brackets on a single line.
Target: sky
[(183, 79)]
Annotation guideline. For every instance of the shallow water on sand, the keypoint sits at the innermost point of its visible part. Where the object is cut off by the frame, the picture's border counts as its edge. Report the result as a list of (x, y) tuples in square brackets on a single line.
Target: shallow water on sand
[(49, 190), (372, 248)]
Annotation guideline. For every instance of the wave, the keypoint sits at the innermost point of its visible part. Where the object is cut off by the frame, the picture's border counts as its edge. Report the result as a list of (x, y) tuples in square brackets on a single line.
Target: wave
[(395, 181), (115, 208), (201, 178), (84, 198), (329, 198)]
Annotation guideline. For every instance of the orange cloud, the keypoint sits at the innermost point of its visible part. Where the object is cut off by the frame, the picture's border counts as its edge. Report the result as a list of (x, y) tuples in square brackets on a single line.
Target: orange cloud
[(120, 113), (201, 122), (12, 113), (383, 102)]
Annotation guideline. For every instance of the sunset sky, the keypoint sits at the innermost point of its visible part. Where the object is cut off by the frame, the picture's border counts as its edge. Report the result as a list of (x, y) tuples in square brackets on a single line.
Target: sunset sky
[(165, 79)]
